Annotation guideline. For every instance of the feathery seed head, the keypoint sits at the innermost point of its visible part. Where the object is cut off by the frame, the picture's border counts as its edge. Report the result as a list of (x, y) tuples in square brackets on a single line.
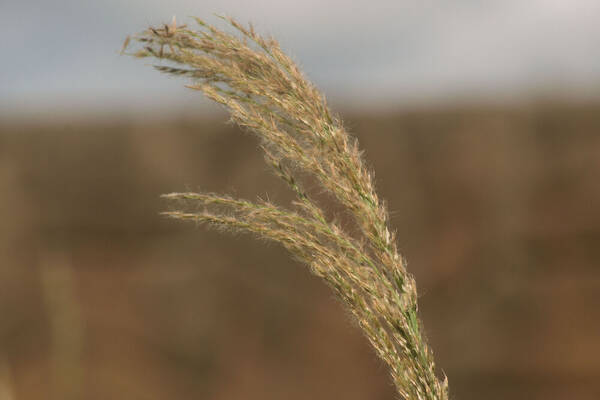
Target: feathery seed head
[(265, 92)]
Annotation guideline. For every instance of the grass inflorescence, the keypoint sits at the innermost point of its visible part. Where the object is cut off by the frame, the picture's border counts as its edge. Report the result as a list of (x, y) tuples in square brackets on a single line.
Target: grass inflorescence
[(265, 92)]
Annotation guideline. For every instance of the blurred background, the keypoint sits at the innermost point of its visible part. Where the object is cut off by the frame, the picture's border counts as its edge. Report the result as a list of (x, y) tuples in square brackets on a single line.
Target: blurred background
[(481, 121)]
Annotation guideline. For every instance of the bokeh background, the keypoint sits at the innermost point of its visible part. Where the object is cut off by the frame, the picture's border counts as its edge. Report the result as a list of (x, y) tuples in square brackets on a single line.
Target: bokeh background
[(480, 119)]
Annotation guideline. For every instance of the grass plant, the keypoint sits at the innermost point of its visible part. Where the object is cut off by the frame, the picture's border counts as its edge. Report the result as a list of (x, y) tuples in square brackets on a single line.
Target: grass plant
[(266, 93)]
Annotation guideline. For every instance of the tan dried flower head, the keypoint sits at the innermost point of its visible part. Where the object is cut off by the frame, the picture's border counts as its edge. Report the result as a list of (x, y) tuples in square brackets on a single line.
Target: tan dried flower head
[(265, 92)]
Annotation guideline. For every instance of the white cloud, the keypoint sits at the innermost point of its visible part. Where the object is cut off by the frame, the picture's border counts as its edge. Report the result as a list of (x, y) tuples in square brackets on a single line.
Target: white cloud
[(403, 49)]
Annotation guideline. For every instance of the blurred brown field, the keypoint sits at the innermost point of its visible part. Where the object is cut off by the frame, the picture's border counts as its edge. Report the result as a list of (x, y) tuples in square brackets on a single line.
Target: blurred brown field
[(497, 210)]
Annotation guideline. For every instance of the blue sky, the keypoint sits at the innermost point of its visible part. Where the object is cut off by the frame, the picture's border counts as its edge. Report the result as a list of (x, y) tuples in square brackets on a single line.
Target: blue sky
[(63, 54)]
